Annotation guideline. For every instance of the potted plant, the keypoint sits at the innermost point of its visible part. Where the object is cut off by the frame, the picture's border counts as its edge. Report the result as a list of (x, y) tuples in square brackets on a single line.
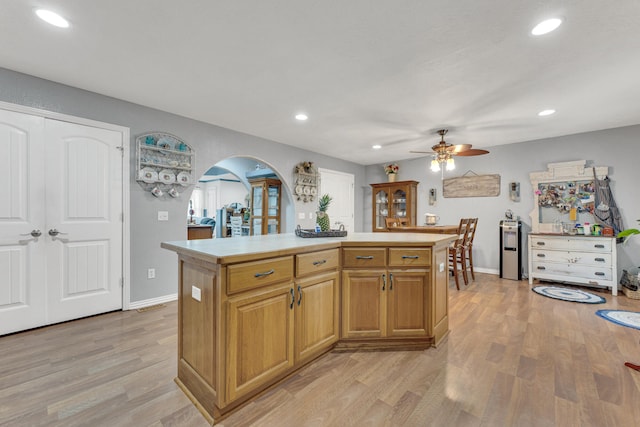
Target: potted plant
[(391, 170), (626, 234)]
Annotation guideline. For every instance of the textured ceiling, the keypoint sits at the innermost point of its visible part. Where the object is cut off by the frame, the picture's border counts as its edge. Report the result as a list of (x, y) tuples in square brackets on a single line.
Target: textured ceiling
[(366, 72)]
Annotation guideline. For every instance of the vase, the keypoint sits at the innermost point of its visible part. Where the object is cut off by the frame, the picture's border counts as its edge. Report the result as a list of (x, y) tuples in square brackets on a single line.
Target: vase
[(392, 177)]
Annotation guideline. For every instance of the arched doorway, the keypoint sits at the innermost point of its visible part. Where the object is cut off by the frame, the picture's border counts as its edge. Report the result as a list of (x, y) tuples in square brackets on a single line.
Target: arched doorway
[(223, 191)]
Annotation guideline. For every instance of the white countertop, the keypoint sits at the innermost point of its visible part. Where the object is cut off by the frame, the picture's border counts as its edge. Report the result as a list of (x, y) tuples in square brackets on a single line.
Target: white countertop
[(243, 248)]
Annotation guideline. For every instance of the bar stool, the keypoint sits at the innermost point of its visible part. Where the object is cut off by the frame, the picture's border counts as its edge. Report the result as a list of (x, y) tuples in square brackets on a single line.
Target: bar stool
[(468, 245), (457, 255)]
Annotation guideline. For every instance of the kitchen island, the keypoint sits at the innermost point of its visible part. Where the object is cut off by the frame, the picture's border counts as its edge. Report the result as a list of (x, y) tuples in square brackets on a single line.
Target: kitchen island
[(252, 311)]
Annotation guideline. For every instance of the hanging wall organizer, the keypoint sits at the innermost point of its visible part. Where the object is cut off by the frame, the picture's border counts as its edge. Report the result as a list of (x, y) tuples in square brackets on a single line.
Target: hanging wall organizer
[(164, 164)]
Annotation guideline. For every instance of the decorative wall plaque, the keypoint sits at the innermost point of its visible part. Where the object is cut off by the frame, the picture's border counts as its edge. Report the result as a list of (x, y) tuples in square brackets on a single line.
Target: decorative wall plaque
[(471, 186)]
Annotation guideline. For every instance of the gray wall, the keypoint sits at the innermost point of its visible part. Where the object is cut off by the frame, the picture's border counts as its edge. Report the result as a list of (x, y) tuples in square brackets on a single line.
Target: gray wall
[(211, 144), (617, 148)]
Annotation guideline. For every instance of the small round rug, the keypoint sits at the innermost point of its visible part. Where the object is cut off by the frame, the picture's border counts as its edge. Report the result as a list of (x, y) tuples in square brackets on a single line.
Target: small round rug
[(568, 294), (630, 319)]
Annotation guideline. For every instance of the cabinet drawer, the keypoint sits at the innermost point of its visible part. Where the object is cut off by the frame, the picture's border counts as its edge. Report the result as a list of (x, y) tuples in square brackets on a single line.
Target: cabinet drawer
[(578, 258), (317, 261), (572, 271), (364, 257), (596, 244), (248, 275), (413, 257)]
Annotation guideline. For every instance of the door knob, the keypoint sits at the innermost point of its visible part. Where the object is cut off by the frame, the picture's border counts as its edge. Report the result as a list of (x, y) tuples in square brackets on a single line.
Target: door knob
[(35, 233), (54, 232)]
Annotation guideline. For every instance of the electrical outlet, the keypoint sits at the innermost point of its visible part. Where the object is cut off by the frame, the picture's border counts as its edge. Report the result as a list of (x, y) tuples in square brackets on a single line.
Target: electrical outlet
[(163, 216), (196, 293), (300, 215), (151, 273)]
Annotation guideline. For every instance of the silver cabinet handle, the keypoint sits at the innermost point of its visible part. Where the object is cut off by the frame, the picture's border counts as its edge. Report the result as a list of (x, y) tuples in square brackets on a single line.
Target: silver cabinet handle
[(410, 257), (293, 298), (540, 243), (541, 255), (266, 273), (599, 259), (598, 246), (322, 261), (299, 295), (390, 281), (34, 233), (54, 232), (364, 257), (384, 281)]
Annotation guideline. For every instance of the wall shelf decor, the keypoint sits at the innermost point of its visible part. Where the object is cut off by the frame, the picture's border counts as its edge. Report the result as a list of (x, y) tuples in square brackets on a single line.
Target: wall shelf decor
[(164, 164), (306, 182)]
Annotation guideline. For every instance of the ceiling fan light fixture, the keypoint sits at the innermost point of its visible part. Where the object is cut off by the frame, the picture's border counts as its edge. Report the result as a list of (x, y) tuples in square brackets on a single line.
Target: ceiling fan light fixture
[(451, 165), (546, 26), (435, 165)]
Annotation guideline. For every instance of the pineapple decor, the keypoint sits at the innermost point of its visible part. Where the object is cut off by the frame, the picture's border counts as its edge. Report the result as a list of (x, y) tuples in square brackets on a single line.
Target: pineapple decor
[(322, 219)]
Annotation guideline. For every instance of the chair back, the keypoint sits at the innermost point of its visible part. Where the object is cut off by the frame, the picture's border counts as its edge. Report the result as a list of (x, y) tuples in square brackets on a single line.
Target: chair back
[(397, 222), (471, 231), (463, 229)]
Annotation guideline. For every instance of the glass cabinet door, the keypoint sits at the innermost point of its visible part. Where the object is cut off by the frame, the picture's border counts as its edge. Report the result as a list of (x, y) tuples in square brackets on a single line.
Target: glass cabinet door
[(256, 206), (399, 204), (381, 209), (273, 205), (256, 226)]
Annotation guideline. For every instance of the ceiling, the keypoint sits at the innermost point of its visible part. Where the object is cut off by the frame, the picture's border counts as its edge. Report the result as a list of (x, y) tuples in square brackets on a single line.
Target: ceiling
[(366, 72)]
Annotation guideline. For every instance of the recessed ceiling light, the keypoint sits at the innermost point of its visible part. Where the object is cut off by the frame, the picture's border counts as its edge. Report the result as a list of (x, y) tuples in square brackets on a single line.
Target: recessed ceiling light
[(302, 117), (52, 18), (546, 112), (546, 26), (376, 147)]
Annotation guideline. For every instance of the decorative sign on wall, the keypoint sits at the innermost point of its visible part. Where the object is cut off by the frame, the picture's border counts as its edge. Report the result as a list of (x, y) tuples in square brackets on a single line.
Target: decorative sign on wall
[(471, 186)]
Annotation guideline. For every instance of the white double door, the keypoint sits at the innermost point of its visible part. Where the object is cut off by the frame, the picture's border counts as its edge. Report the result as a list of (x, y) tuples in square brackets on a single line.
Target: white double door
[(60, 221)]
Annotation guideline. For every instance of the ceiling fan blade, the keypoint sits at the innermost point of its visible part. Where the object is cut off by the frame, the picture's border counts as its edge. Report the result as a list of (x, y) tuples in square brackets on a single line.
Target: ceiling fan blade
[(422, 152), (472, 152), (457, 149)]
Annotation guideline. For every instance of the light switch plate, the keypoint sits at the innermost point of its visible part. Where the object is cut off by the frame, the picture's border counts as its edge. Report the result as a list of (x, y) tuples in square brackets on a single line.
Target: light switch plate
[(195, 293), (163, 216), (300, 215), (441, 267)]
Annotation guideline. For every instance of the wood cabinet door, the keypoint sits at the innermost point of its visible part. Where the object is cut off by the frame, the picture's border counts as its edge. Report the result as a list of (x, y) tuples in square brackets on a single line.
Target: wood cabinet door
[(260, 338), (364, 303), (407, 298), (317, 315)]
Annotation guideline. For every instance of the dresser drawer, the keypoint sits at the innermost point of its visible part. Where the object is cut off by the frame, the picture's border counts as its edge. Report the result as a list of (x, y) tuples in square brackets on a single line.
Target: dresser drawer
[(572, 271), (597, 244), (409, 257), (317, 261), (249, 275), (575, 257), (364, 257)]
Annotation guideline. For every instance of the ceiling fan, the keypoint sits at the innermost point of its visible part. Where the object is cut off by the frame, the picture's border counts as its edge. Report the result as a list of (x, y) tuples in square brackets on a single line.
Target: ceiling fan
[(443, 153)]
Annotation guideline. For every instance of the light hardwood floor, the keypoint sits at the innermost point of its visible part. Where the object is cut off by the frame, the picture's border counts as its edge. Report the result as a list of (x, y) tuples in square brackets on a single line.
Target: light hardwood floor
[(513, 358)]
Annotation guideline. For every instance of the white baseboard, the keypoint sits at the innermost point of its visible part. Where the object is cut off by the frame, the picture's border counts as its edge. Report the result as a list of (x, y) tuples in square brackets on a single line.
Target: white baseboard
[(486, 270), (152, 301)]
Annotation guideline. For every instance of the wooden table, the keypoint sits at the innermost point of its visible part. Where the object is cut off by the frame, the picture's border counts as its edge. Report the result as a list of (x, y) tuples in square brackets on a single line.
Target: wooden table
[(434, 229)]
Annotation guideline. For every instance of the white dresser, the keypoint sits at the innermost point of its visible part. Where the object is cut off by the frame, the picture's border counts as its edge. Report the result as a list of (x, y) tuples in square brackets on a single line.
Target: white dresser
[(587, 260)]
